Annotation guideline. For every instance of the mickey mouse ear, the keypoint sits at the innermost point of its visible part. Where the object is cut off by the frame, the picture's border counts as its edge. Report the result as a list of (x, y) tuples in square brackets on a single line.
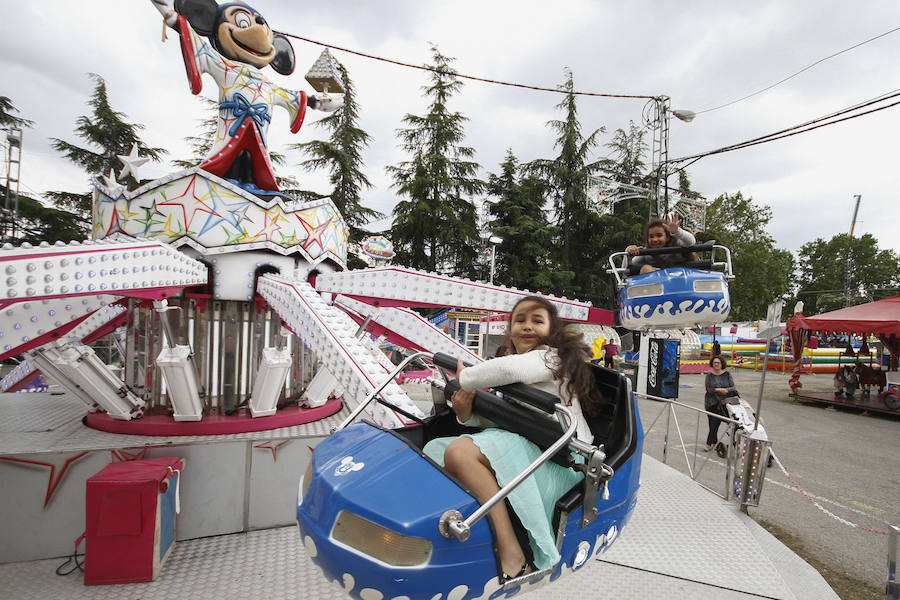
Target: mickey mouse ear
[(201, 14), (283, 63)]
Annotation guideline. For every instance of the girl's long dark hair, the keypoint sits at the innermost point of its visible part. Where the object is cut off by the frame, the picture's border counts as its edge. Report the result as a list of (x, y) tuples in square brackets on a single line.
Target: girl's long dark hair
[(666, 260), (573, 355)]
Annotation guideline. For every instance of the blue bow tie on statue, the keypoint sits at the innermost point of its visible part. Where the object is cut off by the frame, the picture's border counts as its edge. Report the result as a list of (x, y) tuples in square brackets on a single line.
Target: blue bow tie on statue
[(242, 109)]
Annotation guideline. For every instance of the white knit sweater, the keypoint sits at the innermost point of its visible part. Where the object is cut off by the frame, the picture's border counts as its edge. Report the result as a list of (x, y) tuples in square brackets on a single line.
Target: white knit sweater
[(533, 368)]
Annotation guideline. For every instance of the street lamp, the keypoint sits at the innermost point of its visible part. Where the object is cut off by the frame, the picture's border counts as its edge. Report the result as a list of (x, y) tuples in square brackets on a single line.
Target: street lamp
[(494, 242), (656, 115)]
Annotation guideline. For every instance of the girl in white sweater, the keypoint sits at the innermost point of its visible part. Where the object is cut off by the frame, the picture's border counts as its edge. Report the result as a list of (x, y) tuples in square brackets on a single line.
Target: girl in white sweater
[(541, 353)]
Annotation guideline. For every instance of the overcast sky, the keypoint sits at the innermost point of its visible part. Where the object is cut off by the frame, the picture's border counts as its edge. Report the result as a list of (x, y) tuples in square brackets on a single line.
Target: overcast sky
[(701, 54)]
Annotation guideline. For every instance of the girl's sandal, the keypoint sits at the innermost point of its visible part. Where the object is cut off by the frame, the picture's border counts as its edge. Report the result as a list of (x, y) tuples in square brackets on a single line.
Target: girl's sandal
[(523, 571)]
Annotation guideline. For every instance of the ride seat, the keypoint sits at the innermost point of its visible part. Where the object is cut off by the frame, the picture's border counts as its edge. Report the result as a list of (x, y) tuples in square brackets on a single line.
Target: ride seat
[(614, 428)]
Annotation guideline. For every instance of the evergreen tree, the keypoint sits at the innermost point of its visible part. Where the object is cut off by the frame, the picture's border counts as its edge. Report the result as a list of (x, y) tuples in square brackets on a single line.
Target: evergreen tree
[(341, 154), (568, 177), (7, 119), (624, 223), (518, 218), (106, 130), (626, 161), (35, 222), (762, 271), (435, 228)]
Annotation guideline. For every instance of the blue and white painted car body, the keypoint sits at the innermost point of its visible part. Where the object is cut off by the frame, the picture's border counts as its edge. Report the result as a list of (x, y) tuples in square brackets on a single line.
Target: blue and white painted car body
[(370, 504), (674, 297)]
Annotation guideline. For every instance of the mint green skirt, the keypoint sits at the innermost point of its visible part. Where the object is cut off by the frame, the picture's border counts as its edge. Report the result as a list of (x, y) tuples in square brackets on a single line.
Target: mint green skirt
[(534, 500)]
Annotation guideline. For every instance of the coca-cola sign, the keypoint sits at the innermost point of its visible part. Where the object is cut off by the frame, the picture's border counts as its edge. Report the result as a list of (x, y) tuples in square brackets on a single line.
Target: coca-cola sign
[(653, 365)]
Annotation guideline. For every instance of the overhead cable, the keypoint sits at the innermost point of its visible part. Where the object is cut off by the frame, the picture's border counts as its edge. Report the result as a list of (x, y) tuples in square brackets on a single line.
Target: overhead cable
[(461, 75), (806, 68), (823, 121)]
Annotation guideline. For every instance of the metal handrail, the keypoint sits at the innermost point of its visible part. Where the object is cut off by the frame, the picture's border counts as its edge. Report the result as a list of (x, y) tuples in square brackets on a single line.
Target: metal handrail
[(669, 409)]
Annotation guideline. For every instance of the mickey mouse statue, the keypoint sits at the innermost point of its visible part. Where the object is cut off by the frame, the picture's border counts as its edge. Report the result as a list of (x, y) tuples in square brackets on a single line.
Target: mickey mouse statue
[(232, 42)]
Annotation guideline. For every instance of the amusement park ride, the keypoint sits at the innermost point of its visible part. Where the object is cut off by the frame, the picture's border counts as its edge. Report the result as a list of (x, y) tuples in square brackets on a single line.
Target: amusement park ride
[(232, 311)]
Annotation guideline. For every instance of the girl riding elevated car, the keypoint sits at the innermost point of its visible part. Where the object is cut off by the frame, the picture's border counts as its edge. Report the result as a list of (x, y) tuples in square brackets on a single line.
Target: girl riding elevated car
[(660, 234)]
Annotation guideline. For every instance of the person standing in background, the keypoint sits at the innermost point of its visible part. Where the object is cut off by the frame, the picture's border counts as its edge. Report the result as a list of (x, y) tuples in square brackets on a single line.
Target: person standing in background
[(610, 350), (719, 387)]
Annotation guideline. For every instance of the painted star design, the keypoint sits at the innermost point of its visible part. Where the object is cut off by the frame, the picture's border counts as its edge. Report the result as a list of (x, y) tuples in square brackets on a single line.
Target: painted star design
[(190, 190), (288, 240), (257, 92), (273, 446), (115, 225), (131, 162), (234, 238), (55, 477), (314, 234), (241, 214), (270, 223), (148, 221), (173, 232), (221, 211)]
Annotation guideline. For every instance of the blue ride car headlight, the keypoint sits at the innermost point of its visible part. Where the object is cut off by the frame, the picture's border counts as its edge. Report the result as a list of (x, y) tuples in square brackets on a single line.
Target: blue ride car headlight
[(709, 285), (647, 289), (380, 543)]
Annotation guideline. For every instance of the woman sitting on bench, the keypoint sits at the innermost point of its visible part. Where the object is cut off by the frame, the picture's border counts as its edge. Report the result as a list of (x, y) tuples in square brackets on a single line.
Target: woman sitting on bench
[(541, 353)]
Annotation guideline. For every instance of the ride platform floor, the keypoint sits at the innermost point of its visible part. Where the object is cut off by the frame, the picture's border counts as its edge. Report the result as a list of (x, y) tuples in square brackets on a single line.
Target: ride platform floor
[(682, 542), (860, 401)]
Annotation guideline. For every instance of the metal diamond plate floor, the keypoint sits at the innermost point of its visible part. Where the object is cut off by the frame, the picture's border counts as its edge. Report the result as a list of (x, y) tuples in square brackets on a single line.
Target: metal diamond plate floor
[(682, 542)]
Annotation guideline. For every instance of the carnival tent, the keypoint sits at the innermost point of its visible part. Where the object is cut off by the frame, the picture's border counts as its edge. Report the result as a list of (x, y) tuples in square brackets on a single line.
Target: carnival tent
[(880, 318)]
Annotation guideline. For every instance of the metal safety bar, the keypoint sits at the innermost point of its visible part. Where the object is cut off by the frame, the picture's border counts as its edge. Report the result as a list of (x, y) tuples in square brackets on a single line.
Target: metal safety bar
[(452, 522), (620, 271), (368, 399)]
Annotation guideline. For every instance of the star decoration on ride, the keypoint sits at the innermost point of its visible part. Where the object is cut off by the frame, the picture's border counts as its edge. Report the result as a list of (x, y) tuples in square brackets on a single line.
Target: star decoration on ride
[(271, 220), (131, 163), (273, 446), (111, 184), (314, 234), (221, 211), (58, 469)]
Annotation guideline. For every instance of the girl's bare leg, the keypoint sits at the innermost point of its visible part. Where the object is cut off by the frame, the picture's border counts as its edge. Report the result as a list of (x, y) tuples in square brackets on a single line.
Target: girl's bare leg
[(464, 460)]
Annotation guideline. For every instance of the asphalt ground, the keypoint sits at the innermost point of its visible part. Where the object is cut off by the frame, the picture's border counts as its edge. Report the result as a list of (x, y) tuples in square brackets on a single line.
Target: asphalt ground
[(844, 460)]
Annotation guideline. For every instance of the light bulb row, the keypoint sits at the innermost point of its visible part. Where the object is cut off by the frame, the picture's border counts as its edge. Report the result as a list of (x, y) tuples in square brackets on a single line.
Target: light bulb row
[(23, 322), (106, 267), (414, 286)]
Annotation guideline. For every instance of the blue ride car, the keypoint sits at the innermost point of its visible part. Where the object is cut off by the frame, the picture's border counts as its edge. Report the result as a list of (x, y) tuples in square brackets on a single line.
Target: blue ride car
[(678, 297), (373, 510)]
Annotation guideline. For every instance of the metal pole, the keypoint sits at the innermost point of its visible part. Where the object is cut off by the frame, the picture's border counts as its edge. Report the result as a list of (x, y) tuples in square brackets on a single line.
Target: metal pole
[(762, 383), (848, 263), (493, 256), (891, 588)]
